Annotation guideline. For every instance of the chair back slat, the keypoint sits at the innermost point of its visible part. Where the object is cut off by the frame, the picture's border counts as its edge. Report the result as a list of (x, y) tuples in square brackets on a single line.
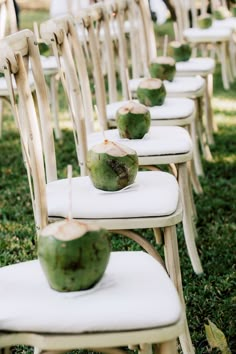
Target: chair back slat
[(28, 119), (97, 70), (8, 21), (18, 51), (62, 32)]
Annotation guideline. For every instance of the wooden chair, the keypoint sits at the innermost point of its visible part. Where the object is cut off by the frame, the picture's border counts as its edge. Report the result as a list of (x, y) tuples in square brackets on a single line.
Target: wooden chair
[(163, 145), (187, 87), (228, 22), (174, 111), (215, 39), (193, 86), (121, 212), (8, 24)]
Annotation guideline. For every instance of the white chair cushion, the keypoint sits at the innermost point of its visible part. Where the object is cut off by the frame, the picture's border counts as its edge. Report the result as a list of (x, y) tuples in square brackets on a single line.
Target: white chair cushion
[(49, 63), (158, 141), (114, 29), (226, 23), (188, 85), (3, 85), (153, 194), (198, 65), (172, 108), (114, 32), (211, 34), (134, 293)]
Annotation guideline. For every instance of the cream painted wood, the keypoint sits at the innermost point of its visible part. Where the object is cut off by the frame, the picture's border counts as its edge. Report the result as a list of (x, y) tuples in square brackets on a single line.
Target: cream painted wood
[(218, 39), (98, 340), (174, 90), (26, 41), (196, 66), (51, 71), (49, 30), (8, 24), (193, 94), (99, 86), (171, 250)]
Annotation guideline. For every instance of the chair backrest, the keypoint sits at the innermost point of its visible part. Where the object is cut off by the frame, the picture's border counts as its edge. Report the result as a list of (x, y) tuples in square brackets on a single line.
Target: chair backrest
[(216, 3), (63, 33), (187, 12), (139, 47), (17, 52), (98, 24), (8, 22)]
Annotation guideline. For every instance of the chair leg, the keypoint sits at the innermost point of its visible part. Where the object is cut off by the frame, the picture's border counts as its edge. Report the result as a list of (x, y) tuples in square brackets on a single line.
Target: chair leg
[(194, 178), (1, 117), (145, 348), (196, 152), (168, 347), (172, 259), (232, 56), (208, 109), (189, 190), (201, 131), (229, 57), (6, 350), (158, 236), (223, 60), (190, 232), (173, 267), (193, 206)]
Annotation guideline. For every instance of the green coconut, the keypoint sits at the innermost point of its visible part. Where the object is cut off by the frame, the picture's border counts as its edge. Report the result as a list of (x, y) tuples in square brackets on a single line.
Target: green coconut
[(221, 13), (180, 51), (133, 120), (163, 68), (112, 166), (73, 255), (204, 21), (151, 92)]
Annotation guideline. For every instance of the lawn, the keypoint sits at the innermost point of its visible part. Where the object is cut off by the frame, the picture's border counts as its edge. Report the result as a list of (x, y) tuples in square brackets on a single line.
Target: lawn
[(210, 296)]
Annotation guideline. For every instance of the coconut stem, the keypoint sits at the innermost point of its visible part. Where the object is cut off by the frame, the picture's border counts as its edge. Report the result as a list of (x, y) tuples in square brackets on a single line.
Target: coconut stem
[(69, 176), (100, 121), (165, 45), (127, 84)]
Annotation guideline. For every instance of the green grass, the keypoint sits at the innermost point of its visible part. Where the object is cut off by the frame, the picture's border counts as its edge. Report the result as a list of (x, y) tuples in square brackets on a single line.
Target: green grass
[(209, 296), (28, 17)]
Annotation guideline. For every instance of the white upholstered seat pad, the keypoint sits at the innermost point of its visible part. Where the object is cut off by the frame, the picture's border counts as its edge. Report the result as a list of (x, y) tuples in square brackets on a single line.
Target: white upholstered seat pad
[(172, 108), (3, 85), (196, 64), (178, 85), (154, 193), (158, 141), (49, 63), (114, 29), (226, 23), (134, 293), (211, 34)]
